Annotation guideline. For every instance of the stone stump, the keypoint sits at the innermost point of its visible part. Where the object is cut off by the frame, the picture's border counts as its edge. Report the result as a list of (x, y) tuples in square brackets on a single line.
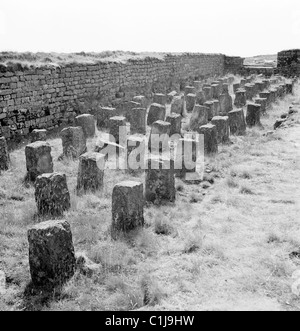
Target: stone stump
[(253, 115), (38, 160), (215, 91), (73, 142), (273, 95), (110, 149), (225, 89), (90, 172), (157, 112), (225, 104), (38, 135), (208, 93), (117, 128), (236, 87), (266, 95), (142, 100), (51, 253), (137, 120), (211, 106), (103, 115), (240, 99), (52, 195), (4, 155), (217, 107), (190, 90), (136, 149), (263, 104), (200, 98), (249, 91), (160, 136), (190, 102), (210, 138), (87, 123), (237, 122), (199, 117), (197, 85), (160, 99), (170, 96), (127, 208), (175, 121), (160, 180), (222, 125), (177, 105)]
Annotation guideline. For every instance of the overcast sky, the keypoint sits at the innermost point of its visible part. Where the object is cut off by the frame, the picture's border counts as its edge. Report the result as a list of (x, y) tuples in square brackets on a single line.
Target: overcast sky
[(232, 27)]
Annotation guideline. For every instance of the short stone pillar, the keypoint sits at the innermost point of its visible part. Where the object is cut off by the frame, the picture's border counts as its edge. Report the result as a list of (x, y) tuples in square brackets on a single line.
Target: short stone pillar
[(215, 91), (73, 142), (225, 104), (225, 89), (253, 115), (87, 123), (160, 98), (103, 115), (171, 96), (157, 112), (38, 135), (273, 95), (142, 100), (160, 180), (236, 87), (208, 93), (211, 106), (90, 172), (240, 99), (4, 155), (237, 122), (243, 82), (222, 125), (51, 254), (111, 150), (159, 137), (136, 150), (266, 95), (249, 91), (198, 85), (177, 105), (217, 107), (263, 104), (52, 195), (267, 83), (199, 117), (210, 138), (137, 120), (175, 121), (190, 102), (190, 90), (127, 208), (117, 125), (38, 160), (200, 98), (289, 88)]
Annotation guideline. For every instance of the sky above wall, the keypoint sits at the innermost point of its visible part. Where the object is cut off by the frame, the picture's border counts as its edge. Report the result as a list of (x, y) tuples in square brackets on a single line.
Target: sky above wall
[(232, 27)]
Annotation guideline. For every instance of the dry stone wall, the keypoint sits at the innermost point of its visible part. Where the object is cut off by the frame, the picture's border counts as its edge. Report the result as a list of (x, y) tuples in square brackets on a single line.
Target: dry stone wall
[(49, 97)]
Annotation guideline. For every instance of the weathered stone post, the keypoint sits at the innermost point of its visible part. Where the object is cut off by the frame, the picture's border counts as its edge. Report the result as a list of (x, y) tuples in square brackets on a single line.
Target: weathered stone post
[(38, 135), (160, 99), (266, 95), (175, 121), (190, 102), (208, 93), (210, 138), (142, 100), (236, 87), (159, 136), (38, 160), (137, 120), (225, 104), (263, 104), (90, 172), (115, 123), (240, 99), (157, 112), (52, 195), (199, 117), (136, 152), (253, 115), (177, 105), (160, 180), (200, 98), (171, 96), (190, 90), (215, 91), (73, 142), (87, 123), (51, 253), (4, 155), (103, 115), (211, 106), (222, 125), (237, 122), (127, 208)]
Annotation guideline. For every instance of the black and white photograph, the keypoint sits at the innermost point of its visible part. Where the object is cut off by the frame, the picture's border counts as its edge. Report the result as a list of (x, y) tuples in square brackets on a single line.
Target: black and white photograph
[(149, 158)]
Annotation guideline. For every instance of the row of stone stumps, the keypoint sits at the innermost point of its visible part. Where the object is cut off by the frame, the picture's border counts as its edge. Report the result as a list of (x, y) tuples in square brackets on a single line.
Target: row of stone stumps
[(51, 251)]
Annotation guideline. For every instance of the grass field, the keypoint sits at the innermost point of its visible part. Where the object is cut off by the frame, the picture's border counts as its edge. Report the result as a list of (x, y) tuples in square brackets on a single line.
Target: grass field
[(224, 245)]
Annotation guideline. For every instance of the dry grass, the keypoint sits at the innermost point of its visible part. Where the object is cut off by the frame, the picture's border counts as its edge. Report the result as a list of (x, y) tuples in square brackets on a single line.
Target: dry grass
[(223, 248)]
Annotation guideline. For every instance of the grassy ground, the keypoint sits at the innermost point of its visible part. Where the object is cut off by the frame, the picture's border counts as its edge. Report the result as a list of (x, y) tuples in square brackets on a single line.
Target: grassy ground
[(222, 246)]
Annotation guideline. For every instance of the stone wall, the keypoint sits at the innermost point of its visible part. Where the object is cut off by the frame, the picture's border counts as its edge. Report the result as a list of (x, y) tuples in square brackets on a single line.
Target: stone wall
[(289, 62), (50, 97)]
